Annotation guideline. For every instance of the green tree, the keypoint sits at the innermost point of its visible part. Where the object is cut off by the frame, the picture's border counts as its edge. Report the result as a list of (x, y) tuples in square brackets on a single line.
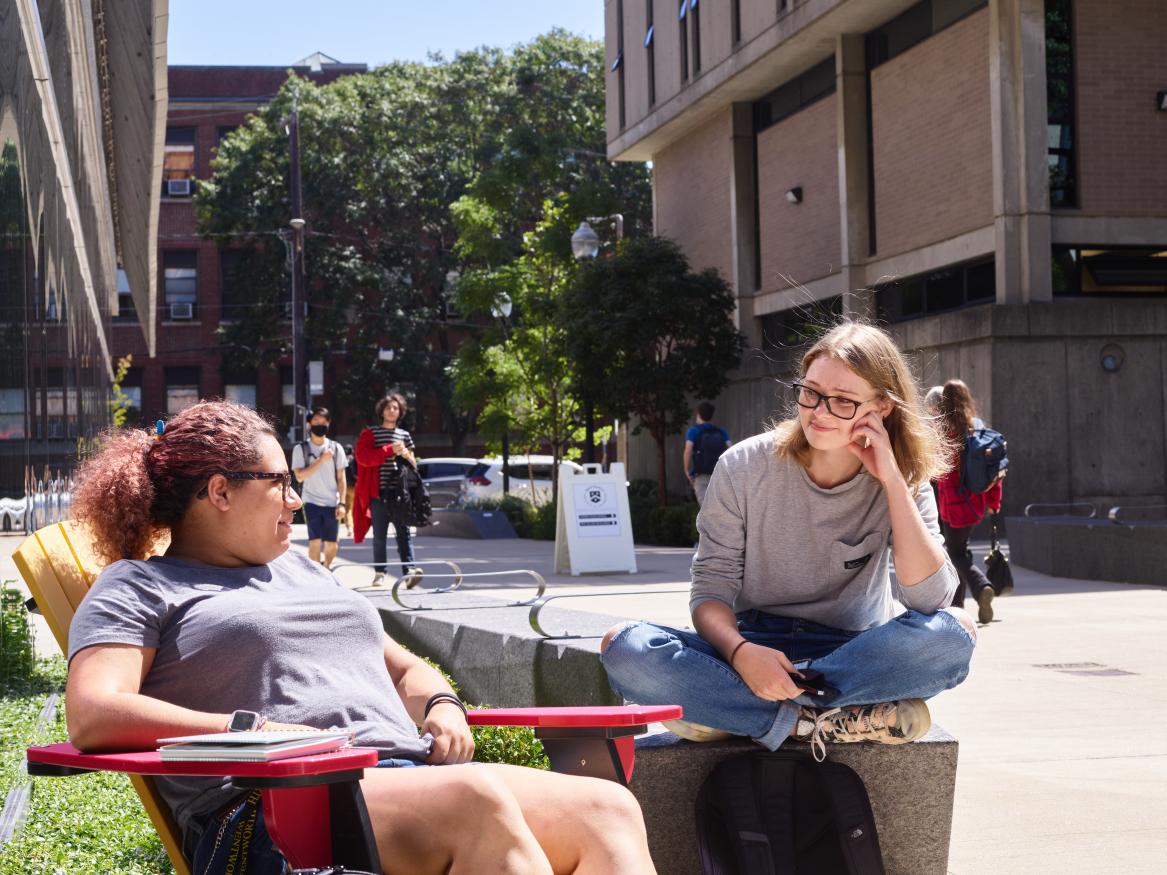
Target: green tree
[(120, 404), (661, 335), (519, 375)]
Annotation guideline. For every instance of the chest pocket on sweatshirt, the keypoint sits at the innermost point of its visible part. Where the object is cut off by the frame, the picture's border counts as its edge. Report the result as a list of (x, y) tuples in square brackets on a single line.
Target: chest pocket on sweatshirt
[(852, 561)]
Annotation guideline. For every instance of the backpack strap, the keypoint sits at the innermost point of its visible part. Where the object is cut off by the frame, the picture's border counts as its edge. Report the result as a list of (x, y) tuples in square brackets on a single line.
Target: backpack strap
[(728, 805), (853, 817)]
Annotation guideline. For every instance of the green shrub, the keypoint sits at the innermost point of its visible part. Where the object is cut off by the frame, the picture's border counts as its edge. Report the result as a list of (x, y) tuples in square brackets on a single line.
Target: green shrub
[(16, 651), (674, 525), (642, 501), (543, 527)]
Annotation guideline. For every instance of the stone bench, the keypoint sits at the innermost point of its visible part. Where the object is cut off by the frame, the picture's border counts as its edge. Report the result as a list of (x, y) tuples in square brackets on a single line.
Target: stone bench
[(497, 659)]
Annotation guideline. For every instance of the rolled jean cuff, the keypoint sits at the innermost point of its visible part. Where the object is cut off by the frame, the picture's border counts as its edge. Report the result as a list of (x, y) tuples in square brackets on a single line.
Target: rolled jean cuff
[(783, 728)]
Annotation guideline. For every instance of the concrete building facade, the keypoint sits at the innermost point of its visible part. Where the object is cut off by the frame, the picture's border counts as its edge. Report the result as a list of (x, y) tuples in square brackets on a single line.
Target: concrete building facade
[(982, 177), (82, 109)]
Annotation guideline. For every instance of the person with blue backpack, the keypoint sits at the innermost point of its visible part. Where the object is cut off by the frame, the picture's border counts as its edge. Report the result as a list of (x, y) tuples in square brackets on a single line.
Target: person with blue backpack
[(799, 630), (971, 487), (704, 444)]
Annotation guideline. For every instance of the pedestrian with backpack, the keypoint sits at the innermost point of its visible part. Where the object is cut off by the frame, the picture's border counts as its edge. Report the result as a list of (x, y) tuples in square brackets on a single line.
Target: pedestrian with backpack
[(799, 631), (704, 444), (971, 487), (318, 464)]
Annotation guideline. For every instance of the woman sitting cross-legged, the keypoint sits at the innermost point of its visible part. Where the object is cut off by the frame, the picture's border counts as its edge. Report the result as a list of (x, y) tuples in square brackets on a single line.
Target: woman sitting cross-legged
[(792, 572), (231, 619)]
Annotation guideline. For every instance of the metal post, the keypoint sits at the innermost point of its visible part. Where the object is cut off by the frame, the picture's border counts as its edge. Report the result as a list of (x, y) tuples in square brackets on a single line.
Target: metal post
[(506, 460), (299, 298)]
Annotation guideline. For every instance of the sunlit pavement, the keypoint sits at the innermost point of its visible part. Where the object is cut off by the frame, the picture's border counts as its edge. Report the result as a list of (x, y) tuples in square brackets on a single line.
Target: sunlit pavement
[(1063, 753)]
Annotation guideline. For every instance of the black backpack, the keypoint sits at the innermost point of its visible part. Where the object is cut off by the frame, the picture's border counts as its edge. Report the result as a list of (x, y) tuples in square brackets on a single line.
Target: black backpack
[(983, 461), (409, 504), (781, 813), (707, 449)]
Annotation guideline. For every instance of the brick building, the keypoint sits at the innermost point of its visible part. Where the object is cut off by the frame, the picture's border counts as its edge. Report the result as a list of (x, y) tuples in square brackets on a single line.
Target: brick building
[(195, 290), (984, 177)]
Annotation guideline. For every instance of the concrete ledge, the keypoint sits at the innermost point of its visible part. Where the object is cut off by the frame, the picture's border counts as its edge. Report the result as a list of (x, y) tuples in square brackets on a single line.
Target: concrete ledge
[(911, 788), (1090, 549), (479, 524), (498, 659)]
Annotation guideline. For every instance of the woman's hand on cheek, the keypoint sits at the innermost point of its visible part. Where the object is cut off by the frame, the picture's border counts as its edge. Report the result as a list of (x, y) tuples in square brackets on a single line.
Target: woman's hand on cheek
[(871, 445)]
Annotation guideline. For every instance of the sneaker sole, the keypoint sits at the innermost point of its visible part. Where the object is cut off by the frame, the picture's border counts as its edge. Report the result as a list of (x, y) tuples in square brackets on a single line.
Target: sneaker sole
[(985, 605), (690, 731), (913, 719)]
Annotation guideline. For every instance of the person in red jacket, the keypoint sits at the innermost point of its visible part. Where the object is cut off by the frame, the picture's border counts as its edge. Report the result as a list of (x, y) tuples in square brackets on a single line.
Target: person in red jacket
[(378, 449), (961, 510)]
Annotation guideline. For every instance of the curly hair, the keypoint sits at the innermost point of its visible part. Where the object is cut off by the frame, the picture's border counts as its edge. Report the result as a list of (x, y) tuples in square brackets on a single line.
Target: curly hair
[(138, 486), (922, 452), (402, 405)]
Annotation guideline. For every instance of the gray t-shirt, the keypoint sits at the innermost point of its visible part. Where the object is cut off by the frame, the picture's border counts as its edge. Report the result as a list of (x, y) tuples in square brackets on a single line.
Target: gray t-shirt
[(284, 639), (320, 487), (773, 540)]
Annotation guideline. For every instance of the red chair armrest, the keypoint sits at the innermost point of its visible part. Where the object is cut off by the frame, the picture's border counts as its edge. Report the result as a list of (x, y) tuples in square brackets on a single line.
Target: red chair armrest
[(583, 716)]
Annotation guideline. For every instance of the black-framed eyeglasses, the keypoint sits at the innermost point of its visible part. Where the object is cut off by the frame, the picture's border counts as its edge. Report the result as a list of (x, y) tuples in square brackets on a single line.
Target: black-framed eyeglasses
[(285, 477), (837, 405)]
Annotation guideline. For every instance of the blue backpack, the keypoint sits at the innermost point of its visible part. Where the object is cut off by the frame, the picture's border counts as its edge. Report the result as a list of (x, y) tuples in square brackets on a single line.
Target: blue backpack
[(707, 449), (983, 461)]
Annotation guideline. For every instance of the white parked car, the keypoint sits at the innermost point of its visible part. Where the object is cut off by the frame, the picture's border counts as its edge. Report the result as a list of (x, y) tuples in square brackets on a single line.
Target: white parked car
[(530, 478), (444, 476)]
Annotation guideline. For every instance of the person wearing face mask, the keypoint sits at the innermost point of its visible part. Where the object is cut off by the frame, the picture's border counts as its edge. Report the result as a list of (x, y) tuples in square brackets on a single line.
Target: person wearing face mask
[(319, 464)]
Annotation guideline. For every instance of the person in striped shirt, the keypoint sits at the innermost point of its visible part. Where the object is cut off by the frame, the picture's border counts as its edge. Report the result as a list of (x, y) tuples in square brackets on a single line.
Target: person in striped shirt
[(378, 452)]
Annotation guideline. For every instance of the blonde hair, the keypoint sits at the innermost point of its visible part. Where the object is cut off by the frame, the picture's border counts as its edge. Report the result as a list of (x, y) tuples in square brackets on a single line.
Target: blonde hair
[(922, 452)]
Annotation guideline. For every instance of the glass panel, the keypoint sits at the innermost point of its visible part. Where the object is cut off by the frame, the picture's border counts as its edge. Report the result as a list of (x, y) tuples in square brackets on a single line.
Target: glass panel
[(240, 393), (945, 290), (178, 398)]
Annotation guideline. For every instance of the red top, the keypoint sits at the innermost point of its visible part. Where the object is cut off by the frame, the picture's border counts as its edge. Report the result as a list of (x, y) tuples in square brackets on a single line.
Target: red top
[(961, 509), (149, 762), (369, 458), (586, 715)]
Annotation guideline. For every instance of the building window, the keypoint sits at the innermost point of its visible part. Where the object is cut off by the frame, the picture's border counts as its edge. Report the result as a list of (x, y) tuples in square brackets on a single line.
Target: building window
[(618, 64), (683, 28), (53, 313), (798, 326), (132, 389), (126, 311), (914, 26), (224, 131), (182, 389), (695, 29), (240, 393), (1083, 270), (181, 282), (950, 288), (1059, 84), (799, 93), (12, 414), (178, 162), (735, 21), (650, 52)]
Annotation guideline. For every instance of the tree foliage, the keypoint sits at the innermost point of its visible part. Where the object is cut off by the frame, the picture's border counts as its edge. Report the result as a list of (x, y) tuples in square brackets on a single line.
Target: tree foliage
[(661, 334), (384, 155)]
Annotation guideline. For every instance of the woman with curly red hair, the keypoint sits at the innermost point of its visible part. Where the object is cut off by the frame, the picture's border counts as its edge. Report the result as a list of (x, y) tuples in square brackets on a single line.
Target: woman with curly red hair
[(230, 625)]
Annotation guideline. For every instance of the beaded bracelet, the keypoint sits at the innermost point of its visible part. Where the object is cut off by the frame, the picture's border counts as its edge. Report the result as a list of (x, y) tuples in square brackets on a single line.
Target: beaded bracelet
[(438, 698), (739, 646)]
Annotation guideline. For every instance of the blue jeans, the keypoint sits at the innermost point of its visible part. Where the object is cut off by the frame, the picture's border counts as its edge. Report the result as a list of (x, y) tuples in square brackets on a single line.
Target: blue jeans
[(913, 656), (381, 537)]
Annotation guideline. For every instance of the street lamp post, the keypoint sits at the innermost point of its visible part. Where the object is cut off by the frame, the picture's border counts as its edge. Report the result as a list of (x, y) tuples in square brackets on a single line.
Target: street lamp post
[(299, 302), (585, 246), (501, 310)]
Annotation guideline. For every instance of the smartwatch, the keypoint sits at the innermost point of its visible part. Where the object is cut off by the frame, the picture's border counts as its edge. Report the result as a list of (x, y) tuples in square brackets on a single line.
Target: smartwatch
[(245, 721)]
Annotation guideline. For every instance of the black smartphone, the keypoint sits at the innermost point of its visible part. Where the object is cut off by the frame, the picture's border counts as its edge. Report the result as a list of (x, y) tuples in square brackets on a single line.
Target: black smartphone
[(813, 682)]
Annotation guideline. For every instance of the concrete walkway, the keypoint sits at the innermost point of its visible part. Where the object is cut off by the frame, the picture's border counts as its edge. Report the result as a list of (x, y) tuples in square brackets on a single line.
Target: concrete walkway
[(1063, 760)]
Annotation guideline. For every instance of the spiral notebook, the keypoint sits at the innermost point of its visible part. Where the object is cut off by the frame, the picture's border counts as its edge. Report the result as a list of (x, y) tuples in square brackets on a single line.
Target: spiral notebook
[(251, 747)]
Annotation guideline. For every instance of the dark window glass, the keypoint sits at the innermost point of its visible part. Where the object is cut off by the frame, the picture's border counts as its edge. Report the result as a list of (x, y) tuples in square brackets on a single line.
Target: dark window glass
[(800, 325), (650, 53), (981, 282), (945, 290), (683, 27), (1064, 270), (1059, 77), (799, 92), (695, 27), (735, 20), (618, 64), (231, 293), (914, 26), (180, 277), (948, 289)]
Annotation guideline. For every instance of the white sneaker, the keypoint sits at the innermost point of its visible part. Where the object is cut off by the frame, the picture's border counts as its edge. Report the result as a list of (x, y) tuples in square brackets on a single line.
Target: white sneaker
[(378, 579), (884, 723), (691, 731)]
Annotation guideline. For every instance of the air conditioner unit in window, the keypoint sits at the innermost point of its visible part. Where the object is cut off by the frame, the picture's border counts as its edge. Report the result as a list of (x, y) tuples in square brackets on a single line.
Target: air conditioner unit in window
[(181, 311), (178, 188)]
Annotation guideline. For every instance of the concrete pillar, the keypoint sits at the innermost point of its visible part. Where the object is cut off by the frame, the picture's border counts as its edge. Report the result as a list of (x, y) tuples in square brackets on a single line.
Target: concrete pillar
[(854, 189), (1020, 177), (743, 221)]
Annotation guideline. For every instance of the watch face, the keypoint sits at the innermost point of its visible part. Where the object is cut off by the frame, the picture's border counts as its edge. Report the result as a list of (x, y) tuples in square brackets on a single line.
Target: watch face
[(244, 721)]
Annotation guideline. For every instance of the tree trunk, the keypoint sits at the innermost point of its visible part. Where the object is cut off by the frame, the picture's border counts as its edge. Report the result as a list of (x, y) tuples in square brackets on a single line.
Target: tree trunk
[(662, 468)]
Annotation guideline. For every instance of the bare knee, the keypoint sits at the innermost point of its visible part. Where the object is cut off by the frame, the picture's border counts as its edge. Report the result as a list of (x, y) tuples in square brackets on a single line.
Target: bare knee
[(612, 633), (965, 620)]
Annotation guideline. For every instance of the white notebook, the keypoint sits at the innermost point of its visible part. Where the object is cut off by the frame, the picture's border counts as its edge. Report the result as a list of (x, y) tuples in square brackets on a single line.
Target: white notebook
[(251, 746)]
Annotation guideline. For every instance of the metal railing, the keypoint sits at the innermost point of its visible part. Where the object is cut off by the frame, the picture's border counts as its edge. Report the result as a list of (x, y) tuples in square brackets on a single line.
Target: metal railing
[(1123, 515), (539, 604), (459, 576), (1064, 509)]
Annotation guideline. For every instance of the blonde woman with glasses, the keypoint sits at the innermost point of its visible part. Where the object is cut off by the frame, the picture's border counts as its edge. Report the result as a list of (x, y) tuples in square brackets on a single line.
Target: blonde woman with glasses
[(800, 631)]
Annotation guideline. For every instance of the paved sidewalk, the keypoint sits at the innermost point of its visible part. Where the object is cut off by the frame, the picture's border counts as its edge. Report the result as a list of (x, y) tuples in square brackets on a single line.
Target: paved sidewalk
[(1062, 769)]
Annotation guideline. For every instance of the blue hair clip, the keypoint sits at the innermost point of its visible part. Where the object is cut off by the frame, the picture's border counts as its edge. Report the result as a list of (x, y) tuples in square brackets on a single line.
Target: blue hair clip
[(159, 427)]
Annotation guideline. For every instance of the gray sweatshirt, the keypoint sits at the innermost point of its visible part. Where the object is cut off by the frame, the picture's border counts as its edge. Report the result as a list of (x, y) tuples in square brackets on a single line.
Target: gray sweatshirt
[(773, 540)]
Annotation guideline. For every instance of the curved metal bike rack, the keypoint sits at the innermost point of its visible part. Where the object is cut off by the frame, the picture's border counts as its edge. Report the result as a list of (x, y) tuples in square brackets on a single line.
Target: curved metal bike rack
[(1115, 514), (542, 587), (540, 603), (1068, 507), (457, 575)]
